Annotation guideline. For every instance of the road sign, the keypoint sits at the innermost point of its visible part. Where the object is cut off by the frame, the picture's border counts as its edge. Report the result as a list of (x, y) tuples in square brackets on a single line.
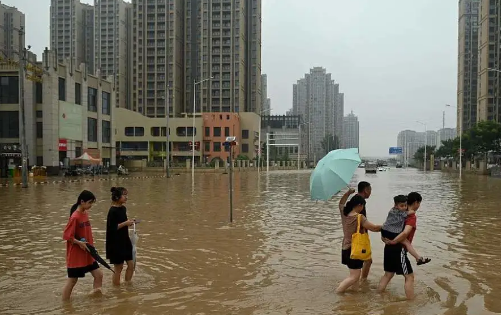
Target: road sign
[(396, 150)]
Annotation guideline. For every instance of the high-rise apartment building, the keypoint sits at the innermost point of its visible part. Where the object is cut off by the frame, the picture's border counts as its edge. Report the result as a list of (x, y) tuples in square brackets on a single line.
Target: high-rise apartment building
[(445, 134), (316, 100), (410, 141), (11, 23), (338, 113), (71, 32), (191, 41), (111, 44), (489, 62), (158, 55), (230, 53), (351, 131), (468, 34)]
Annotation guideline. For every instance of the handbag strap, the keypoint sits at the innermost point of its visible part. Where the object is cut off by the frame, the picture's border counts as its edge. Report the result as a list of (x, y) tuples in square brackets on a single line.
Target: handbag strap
[(359, 218)]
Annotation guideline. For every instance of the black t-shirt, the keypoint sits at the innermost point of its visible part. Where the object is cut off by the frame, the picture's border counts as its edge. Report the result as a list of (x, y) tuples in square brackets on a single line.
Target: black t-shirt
[(117, 240)]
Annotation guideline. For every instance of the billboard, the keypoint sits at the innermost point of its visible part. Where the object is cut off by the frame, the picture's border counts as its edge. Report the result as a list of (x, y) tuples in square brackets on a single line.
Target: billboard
[(395, 150), (70, 121)]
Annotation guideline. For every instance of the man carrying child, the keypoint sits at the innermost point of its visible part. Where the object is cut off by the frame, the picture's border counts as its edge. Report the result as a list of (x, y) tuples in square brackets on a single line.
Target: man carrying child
[(398, 241)]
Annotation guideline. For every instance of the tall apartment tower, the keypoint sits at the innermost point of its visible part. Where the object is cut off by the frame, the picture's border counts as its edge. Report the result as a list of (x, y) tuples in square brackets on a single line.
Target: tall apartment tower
[(489, 84), (110, 34), (351, 131), (315, 99), (71, 32), (468, 35), (225, 44), (158, 45), (265, 101), (12, 21)]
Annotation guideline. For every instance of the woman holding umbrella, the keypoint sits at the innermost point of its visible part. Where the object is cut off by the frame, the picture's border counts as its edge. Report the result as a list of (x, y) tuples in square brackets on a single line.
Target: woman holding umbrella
[(353, 222), (78, 234)]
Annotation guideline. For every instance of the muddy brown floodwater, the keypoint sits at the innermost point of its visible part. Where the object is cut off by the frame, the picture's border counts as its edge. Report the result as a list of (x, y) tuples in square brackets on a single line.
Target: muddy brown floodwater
[(280, 256)]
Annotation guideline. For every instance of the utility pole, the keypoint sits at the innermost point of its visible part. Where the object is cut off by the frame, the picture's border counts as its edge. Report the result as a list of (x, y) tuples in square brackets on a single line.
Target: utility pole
[(24, 149)]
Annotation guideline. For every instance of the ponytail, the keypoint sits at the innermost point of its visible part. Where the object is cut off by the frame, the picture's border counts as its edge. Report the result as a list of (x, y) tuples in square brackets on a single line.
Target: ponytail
[(85, 196), (356, 200), (73, 208)]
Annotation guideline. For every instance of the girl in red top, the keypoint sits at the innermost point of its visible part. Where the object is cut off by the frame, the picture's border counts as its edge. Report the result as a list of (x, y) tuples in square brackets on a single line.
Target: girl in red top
[(77, 234)]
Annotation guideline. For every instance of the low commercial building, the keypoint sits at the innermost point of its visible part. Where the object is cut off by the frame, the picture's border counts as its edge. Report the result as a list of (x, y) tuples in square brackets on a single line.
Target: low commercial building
[(144, 138), (67, 113), (283, 131)]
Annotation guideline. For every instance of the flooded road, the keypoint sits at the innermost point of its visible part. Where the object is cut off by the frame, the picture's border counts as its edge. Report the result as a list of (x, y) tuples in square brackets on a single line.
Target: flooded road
[(280, 256)]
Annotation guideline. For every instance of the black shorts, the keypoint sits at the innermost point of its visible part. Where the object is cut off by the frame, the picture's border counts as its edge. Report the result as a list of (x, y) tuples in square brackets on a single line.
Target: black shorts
[(81, 271), (389, 235), (350, 263), (120, 258), (396, 261)]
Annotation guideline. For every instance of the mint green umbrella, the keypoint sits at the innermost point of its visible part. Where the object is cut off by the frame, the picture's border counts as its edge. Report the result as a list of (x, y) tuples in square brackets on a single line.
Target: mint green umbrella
[(333, 173)]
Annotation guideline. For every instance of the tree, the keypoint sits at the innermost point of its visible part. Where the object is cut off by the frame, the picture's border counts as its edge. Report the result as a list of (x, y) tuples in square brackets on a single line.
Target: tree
[(419, 155), (446, 149), (485, 136), (242, 157), (330, 143)]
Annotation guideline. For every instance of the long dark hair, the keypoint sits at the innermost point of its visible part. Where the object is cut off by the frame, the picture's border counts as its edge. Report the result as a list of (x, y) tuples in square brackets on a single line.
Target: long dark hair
[(117, 193), (356, 200), (84, 196)]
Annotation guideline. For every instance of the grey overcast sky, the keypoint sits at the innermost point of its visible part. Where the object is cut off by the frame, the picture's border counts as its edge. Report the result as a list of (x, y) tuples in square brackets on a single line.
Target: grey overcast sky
[(395, 60)]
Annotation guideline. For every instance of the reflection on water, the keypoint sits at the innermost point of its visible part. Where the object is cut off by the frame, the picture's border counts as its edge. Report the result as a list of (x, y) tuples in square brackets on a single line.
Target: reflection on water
[(280, 256)]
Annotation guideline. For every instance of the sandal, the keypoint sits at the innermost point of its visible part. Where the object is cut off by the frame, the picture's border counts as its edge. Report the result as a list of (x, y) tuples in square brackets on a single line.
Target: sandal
[(422, 261)]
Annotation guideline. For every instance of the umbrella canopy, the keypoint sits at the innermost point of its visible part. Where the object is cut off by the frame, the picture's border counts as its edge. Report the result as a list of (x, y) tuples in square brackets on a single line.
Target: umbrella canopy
[(333, 173), (134, 238), (87, 157), (93, 252)]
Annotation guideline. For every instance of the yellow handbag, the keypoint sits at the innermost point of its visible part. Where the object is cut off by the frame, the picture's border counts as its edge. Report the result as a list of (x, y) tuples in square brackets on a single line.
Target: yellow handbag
[(360, 244)]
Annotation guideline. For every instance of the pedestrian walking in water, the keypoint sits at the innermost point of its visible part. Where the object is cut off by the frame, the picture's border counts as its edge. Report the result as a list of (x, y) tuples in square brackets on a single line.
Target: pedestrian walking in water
[(118, 243), (77, 234)]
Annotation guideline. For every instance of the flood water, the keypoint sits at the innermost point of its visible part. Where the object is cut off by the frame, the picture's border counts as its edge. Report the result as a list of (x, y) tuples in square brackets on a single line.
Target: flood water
[(281, 255)]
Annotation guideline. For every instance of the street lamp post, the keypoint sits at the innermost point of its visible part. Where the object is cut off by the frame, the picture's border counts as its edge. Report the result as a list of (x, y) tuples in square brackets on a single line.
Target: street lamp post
[(425, 142), (460, 138), (193, 131), (259, 139)]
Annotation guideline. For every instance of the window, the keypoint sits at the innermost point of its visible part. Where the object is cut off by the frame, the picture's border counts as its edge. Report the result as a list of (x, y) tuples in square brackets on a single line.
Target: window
[(134, 131), (91, 129), (207, 146), (217, 147), (245, 148), (9, 90), (185, 131), (129, 131), (217, 131), (226, 131), (134, 146), (39, 130), (39, 114), (106, 103), (38, 93), (207, 131), (245, 134), (62, 89), (92, 100), (78, 93), (106, 126), (9, 124), (39, 160)]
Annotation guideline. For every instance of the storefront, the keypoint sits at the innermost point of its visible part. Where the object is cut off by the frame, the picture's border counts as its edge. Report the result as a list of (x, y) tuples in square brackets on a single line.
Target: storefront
[(10, 159)]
